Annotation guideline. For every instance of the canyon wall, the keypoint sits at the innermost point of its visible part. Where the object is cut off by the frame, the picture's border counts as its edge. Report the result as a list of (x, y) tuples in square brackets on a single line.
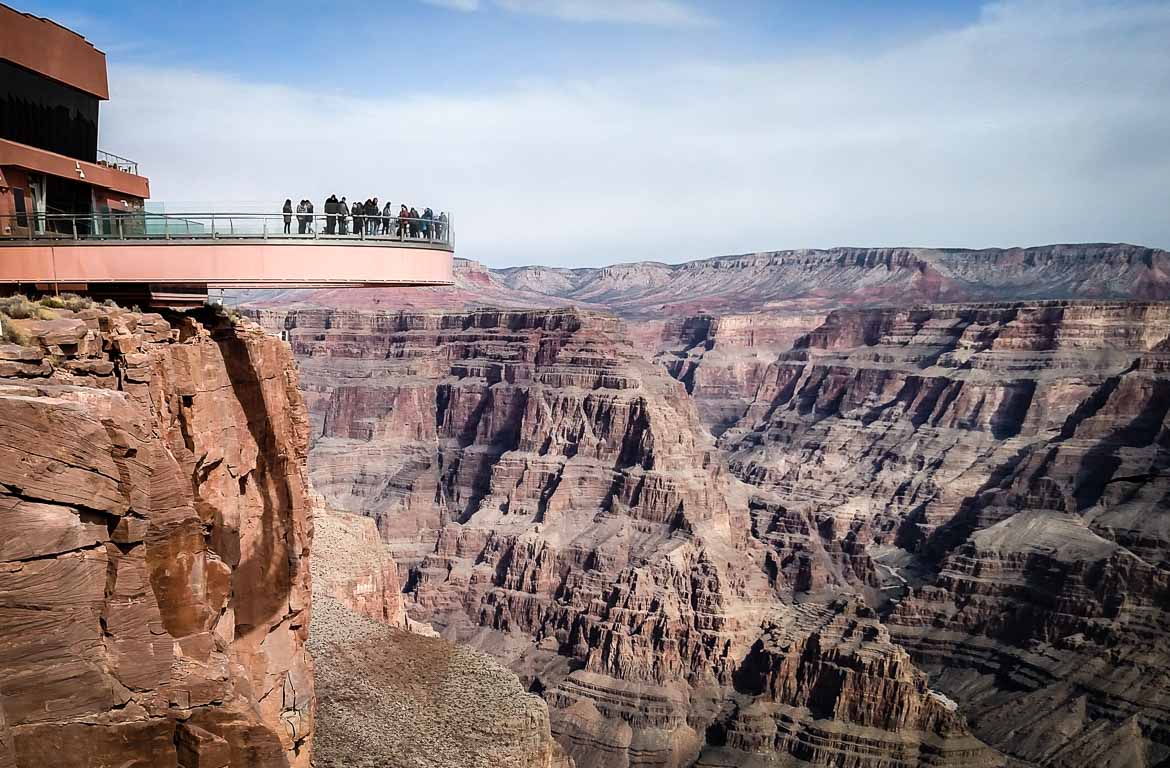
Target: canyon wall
[(813, 280), (155, 572), (721, 359), (557, 501), (154, 583)]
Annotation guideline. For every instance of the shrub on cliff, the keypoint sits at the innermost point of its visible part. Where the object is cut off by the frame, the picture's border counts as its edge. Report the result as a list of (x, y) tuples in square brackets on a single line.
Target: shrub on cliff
[(10, 334), (69, 301)]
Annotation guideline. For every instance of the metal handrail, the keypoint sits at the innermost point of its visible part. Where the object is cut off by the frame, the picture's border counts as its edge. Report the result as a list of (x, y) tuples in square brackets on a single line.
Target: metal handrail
[(110, 160), (144, 225)]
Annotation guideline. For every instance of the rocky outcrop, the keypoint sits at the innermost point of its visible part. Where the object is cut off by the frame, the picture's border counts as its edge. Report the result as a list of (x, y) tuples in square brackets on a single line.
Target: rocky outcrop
[(154, 585), (827, 685), (558, 503), (392, 697), (352, 566)]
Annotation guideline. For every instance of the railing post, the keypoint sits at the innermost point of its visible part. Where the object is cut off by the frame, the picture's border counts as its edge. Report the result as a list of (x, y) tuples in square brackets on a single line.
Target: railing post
[(265, 227), (166, 227), (121, 232), (73, 221), (213, 226)]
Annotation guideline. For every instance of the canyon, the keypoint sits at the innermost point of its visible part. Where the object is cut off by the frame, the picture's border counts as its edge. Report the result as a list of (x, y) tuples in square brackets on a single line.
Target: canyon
[(875, 508), (833, 533)]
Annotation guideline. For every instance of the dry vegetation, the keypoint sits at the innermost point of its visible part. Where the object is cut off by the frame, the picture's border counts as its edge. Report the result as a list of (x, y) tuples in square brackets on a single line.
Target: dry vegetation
[(20, 307)]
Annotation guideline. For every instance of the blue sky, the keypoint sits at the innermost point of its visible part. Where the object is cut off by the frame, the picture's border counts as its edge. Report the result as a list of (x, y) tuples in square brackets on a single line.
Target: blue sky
[(582, 132), (435, 45)]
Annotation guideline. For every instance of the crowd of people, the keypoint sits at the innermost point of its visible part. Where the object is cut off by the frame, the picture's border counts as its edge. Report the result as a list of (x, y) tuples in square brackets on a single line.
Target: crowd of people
[(366, 219)]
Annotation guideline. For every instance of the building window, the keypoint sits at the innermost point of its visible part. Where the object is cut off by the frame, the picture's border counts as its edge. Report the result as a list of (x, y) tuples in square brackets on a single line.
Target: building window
[(45, 114), (18, 203)]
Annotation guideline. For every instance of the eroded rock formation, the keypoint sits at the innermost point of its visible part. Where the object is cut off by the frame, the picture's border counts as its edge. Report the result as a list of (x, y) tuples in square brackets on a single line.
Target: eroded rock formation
[(558, 502), (154, 584), (722, 359), (352, 566)]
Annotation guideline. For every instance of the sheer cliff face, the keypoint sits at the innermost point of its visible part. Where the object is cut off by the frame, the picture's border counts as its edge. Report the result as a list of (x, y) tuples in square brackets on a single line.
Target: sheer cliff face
[(154, 588), (555, 499)]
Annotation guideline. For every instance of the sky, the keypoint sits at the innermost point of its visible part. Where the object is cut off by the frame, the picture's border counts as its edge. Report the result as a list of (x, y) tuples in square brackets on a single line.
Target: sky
[(590, 132)]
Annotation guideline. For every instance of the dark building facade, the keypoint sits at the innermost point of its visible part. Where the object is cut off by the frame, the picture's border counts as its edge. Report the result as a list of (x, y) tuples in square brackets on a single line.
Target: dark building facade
[(52, 174), (43, 113)]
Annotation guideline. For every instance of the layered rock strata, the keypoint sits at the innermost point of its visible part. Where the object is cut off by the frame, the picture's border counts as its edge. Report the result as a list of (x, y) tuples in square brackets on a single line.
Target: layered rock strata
[(558, 502), (994, 476), (722, 359), (154, 584), (827, 685), (781, 282)]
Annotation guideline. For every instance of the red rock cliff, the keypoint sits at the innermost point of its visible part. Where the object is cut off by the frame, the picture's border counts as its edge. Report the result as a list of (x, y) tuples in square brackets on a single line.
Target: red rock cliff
[(154, 581)]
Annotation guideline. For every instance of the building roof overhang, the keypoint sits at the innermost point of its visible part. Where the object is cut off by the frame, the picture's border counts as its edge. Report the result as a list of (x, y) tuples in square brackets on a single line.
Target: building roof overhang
[(47, 48), (13, 153)]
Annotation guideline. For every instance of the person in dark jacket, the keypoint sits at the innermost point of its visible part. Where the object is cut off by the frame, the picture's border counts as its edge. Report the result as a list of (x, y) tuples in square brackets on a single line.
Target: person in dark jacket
[(342, 213), (330, 215), (387, 217), (309, 211), (288, 216), (374, 212), (403, 225), (414, 222), (359, 220), (428, 222)]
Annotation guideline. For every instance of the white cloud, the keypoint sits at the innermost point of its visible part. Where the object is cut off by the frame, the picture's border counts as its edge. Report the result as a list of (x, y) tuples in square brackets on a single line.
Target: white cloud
[(1041, 122)]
